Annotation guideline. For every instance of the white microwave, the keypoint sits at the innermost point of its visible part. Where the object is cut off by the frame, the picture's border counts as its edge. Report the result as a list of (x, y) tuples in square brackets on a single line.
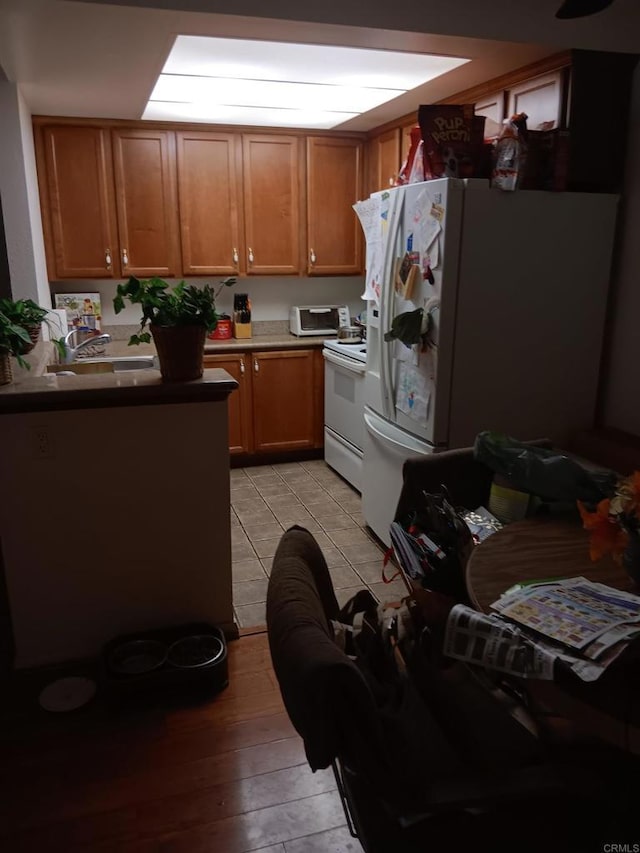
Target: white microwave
[(318, 319)]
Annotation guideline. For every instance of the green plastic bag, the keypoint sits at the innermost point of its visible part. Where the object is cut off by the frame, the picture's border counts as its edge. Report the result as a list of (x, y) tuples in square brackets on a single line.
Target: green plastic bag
[(541, 471)]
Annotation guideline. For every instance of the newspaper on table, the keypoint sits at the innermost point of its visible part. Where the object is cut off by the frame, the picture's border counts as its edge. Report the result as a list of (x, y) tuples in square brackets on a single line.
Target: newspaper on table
[(586, 625)]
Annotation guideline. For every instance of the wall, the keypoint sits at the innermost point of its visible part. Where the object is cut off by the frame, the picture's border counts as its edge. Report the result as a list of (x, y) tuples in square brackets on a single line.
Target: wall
[(621, 384), (5, 282), (270, 296), (21, 205)]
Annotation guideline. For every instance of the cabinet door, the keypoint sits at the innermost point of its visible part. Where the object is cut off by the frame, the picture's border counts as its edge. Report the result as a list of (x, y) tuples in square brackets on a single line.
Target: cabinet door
[(239, 401), (271, 176), (146, 202), (334, 184), (284, 400), (540, 99), (77, 198), (384, 154), (492, 108), (208, 196), (318, 383), (405, 139)]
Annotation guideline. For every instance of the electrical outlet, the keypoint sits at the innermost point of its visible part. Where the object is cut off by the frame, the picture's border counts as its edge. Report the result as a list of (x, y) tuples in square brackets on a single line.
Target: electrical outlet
[(43, 447)]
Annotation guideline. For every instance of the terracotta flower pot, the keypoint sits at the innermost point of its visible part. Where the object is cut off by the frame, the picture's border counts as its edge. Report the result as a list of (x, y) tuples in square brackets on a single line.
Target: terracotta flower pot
[(180, 351)]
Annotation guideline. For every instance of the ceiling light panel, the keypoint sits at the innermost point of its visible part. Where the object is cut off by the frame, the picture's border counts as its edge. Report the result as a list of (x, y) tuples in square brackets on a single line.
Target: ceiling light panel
[(305, 63), (257, 116), (232, 81), (266, 93)]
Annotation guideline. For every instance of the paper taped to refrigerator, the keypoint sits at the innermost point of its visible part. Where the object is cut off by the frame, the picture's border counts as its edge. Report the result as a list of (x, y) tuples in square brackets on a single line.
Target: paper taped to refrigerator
[(373, 272), (412, 396), (426, 227), (369, 213)]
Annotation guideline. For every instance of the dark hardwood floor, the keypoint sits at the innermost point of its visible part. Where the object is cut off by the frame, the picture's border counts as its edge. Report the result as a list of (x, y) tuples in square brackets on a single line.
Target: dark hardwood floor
[(225, 774)]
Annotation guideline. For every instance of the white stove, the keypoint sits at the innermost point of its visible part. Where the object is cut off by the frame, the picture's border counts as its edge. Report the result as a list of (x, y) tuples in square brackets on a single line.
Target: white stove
[(344, 371), (357, 351)]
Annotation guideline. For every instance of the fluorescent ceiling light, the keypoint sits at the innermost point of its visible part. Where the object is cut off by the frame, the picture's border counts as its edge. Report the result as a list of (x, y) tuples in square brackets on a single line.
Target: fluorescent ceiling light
[(283, 84), (266, 93), (163, 111)]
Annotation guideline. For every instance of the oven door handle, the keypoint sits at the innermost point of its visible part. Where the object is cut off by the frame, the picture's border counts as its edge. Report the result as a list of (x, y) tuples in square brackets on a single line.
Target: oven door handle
[(346, 363)]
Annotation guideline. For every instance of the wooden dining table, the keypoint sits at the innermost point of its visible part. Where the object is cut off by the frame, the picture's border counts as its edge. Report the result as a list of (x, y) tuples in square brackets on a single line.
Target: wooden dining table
[(547, 547), (537, 548)]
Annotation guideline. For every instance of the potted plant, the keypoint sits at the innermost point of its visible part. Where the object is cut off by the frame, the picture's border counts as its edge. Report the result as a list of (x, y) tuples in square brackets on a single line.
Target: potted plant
[(27, 314), (178, 319), (14, 340)]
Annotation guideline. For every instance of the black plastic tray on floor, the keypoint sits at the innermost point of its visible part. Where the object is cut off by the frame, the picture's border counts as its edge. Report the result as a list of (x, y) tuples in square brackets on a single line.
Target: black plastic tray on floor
[(209, 677)]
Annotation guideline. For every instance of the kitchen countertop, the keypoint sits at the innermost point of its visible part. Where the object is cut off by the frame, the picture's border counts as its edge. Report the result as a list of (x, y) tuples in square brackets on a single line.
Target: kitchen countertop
[(50, 392), (281, 341)]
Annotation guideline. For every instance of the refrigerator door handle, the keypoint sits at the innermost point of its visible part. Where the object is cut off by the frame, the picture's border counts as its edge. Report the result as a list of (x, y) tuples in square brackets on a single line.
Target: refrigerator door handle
[(386, 439), (387, 305)]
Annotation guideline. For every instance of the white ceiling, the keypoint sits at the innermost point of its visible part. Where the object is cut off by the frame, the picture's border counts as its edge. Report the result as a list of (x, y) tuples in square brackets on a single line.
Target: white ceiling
[(93, 59)]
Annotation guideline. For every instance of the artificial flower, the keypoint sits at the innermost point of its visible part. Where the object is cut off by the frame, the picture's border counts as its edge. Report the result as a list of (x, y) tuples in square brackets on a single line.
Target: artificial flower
[(614, 519)]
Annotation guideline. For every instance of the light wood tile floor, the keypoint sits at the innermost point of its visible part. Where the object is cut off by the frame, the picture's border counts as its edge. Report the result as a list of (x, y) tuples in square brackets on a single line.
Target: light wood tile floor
[(266, 500)]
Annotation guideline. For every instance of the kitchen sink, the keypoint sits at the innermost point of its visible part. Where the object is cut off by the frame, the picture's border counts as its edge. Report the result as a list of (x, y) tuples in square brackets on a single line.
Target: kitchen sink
[(108, 364), (129, 362)]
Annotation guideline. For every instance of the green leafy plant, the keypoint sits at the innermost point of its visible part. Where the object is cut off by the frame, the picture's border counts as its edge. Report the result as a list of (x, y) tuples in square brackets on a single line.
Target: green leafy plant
[(23, 312), (26, 314), (183, 305), (14, 339)]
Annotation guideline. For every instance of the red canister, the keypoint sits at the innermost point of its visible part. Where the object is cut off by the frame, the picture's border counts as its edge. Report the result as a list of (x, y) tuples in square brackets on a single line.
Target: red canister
[(222, 331)]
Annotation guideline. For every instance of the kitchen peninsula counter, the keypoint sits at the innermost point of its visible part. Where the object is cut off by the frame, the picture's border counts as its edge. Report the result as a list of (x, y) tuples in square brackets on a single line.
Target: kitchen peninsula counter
[(115, 516), (51, 392)]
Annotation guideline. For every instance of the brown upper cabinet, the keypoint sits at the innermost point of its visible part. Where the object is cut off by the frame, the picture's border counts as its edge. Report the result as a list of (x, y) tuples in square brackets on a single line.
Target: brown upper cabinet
[(108, 201), (384, 159), (540, 98), (122, 200), (334, 184), (146, 202), (272, 203), (239, 203), (405, 139), (78, 202), (492, 108), (210, 204)]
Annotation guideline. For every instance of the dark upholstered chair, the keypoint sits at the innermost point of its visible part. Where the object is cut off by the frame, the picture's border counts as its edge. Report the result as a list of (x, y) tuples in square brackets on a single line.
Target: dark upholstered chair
[(506, 805)]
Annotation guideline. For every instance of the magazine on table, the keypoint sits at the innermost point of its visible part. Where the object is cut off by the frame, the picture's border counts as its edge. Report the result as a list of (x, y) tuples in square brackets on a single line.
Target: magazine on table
[(586, 625)]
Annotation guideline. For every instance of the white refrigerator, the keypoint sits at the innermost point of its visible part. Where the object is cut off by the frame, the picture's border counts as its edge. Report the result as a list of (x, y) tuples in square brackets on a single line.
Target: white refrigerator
[(515, 285)]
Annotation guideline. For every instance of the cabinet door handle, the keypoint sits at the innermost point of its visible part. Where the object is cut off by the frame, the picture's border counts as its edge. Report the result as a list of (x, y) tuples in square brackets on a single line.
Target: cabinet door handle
[(235, 255), (241, 367), (256, 366), (107, 258), (125, 258), (312, 256), (250, 255)]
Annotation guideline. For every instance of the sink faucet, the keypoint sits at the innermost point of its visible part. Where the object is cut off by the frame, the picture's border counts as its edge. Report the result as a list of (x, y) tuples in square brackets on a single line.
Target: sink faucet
[(71, 352)]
